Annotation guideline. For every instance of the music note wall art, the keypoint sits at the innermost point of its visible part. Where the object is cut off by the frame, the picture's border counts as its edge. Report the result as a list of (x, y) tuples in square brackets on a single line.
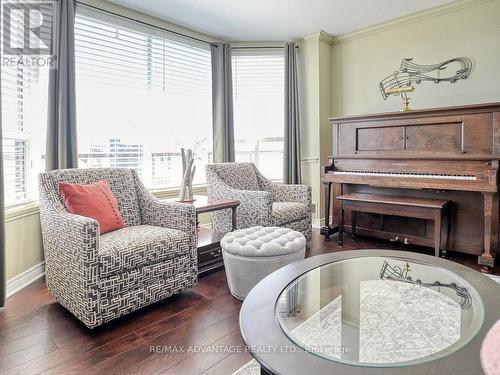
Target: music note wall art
[(402, 81)]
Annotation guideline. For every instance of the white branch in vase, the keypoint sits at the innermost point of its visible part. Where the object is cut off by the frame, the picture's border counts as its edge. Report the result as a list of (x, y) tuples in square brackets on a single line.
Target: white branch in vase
[(188, 170)]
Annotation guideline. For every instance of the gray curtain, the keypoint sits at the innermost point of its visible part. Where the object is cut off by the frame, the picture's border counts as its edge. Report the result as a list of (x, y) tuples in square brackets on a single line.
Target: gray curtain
[(2, 212), (291, 155), (61, 149), (222, 103)]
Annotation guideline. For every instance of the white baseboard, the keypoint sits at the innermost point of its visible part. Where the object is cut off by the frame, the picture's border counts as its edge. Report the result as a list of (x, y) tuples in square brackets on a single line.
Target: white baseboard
[(24, 279), (320, 223), (317, 223)]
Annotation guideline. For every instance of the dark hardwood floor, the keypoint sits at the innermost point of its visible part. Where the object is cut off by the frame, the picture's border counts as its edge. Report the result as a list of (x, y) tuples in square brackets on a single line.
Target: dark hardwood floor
[(39, 336)]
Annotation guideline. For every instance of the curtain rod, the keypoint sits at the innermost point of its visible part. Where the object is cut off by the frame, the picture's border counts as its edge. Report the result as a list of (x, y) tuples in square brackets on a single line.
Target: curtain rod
[(263, 47), (147, 24)]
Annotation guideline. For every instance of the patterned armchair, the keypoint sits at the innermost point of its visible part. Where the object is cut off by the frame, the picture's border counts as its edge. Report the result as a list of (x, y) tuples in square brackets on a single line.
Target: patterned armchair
[(262, 202), (101, 277)]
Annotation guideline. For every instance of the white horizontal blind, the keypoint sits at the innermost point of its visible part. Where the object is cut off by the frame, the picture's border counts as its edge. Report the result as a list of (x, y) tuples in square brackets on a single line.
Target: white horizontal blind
[(130, 56), (258, 95), (258, 74), (143, 94), (24, 115)]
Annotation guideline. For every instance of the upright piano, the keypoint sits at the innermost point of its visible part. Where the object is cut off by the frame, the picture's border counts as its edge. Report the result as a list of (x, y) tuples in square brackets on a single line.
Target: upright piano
[(450, 153)]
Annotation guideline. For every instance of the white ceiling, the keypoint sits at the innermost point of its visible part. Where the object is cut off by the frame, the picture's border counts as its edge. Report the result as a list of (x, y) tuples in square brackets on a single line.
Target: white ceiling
[(268, 20)]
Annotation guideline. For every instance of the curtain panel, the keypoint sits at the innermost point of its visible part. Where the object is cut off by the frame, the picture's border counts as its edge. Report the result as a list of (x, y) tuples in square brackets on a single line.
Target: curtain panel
[(291, 154), (222, 103), (61, 149)]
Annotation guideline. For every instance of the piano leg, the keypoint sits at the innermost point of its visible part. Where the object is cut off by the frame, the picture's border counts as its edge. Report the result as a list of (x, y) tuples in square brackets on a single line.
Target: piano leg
[(328, 229), (341, 225), (487, 259), (353, 224), (446, 231), (437, 232)]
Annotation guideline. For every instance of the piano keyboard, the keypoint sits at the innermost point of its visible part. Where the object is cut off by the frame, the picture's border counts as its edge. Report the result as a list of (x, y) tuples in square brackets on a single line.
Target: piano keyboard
[(407, 175)]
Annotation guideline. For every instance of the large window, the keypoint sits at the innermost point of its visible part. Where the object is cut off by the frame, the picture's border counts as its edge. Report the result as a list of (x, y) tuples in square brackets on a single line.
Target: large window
[(24, 118), (142, 94), (258, 93)]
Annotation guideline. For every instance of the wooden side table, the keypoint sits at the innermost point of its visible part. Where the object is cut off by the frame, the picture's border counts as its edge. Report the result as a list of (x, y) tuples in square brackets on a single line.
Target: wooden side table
[(209, 249)]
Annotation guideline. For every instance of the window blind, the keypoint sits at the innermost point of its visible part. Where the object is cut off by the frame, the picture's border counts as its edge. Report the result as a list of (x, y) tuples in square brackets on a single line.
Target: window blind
[(258, 102), (258, 74), (143, 93), (117, 52), (24, 109)]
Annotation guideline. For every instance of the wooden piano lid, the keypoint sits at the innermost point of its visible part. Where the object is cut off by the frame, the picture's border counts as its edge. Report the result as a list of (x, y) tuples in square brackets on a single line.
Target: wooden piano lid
[(415, 113)]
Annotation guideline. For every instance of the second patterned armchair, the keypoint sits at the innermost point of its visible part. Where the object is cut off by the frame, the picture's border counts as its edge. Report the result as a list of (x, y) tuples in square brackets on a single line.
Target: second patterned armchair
[(263, 202)]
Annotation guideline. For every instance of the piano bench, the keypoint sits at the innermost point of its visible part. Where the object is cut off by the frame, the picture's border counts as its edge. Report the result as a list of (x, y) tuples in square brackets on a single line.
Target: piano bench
[(419, 208)]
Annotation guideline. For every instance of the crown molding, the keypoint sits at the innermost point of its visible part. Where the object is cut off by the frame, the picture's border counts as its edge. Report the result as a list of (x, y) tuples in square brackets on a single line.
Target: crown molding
[(326, 38), (321, 36), (311, 37), (412, 18)]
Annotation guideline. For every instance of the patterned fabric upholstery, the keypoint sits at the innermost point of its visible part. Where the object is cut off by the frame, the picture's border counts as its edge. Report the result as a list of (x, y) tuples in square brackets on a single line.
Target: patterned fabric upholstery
[(119, 180), (132, 247), (258, 199), (241, 176), (122, 304), (99, 278), (287, 212), (129, 280)]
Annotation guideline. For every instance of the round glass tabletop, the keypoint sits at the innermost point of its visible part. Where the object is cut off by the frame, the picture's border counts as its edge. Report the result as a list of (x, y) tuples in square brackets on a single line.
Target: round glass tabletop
[(380, 311)]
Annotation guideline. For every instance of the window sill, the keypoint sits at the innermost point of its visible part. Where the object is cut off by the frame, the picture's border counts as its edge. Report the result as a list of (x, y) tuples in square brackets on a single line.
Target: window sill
[(32, 208), (20, 211), (174, 192)]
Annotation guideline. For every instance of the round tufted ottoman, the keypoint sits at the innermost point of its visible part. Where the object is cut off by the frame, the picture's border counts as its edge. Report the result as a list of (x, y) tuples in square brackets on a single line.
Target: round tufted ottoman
[(253, 253)]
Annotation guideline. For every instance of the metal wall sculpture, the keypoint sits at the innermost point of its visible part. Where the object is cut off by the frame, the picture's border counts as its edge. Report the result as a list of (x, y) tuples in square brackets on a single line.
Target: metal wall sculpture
[(401, 81)]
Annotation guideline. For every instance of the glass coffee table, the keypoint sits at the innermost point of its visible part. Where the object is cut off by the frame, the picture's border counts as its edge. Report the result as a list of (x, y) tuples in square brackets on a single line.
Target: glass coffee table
[(370, 312)]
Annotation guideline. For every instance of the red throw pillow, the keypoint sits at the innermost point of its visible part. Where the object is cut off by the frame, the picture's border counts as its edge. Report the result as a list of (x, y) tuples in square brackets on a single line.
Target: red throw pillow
[(96, 201)]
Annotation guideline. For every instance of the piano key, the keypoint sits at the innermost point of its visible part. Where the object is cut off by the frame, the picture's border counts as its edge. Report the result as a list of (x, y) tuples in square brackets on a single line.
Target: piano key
[(407, 175)]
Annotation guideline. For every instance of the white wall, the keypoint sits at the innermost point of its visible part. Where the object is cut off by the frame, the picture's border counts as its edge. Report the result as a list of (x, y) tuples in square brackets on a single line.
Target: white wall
[(23, 243), (361, 62), (314, 84)]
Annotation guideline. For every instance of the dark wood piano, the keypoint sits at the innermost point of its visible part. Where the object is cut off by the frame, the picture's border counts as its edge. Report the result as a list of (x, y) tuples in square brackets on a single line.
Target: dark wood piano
[(448, 153)]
